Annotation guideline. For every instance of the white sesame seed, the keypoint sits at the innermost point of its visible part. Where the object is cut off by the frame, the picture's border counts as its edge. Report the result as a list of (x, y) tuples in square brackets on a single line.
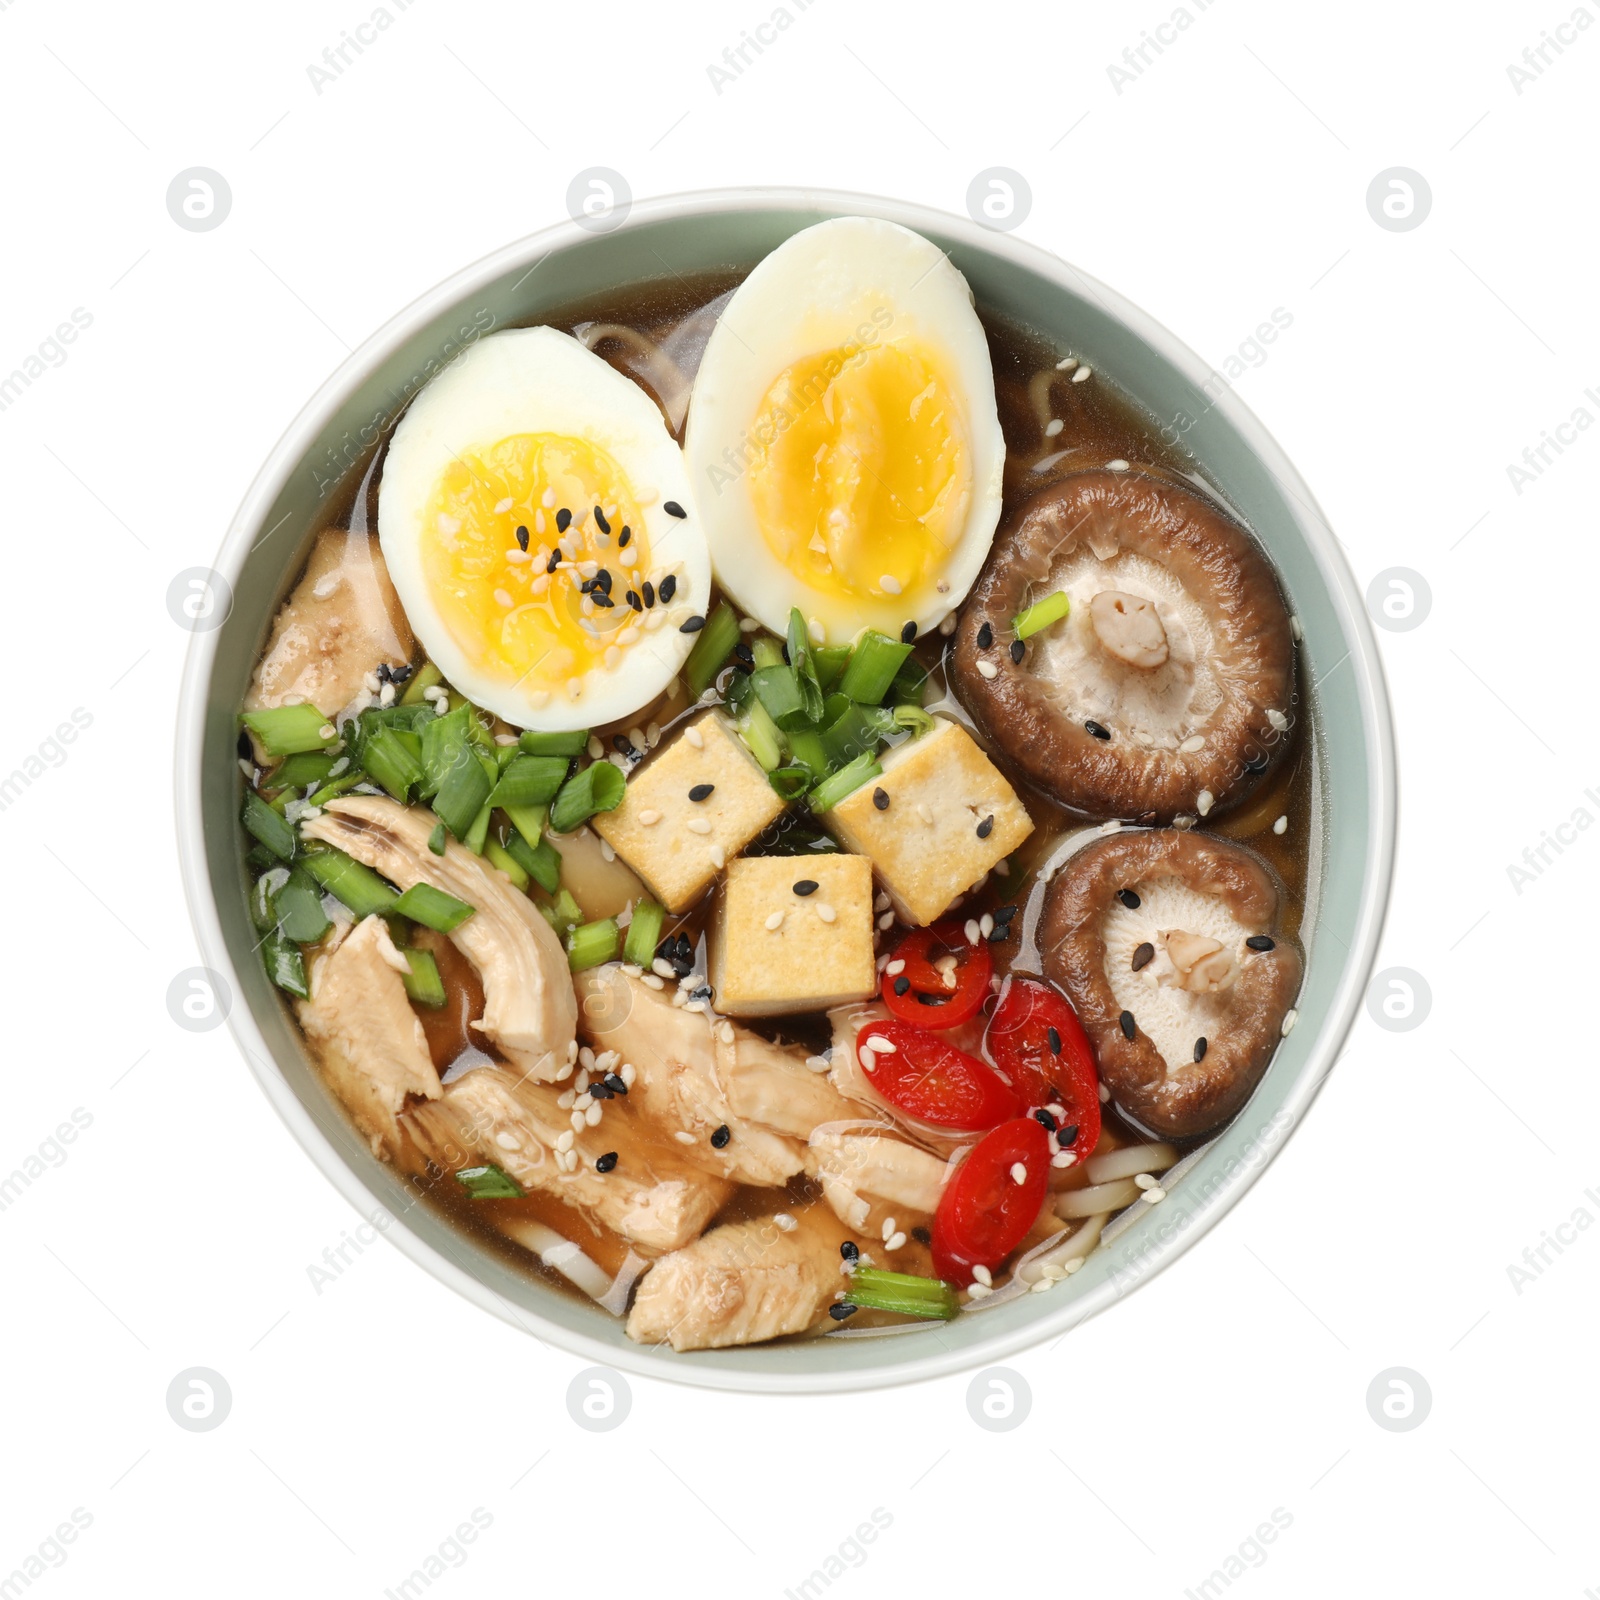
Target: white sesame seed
[(1155, 1196), (1082, 374), (507, 1140), (594, 747), (1105, 1094), (1281, 825), (977, 1291), (1195, 741), (725, 1032), (988, 669), (1119, 465), (1062, 1158), (693, 736), (1019, 1173), (548, 499), (606, 852), (649, 817), (578, 1122), (1184, 820), (881, 1046), (971, 931), (572, 1050), (1066, 363), (881, 903), (925, 814), (895, 968), (895, 1242), (1143, 1180), (682, 1137), (1204, 801), (652, 735), (868, 1060), (1290, 1017), (661, 969), (819, 634), (1278, 720), (785, 1221), (1043, 1286), (1053, 427), (698, 825), (749, 625), (986, 924), (719, 857), (628, 1073), (889, 584), (651, 979), (593, 1114), (888, 1228), (774, 922), (584, 1100), (564, 1143), (825, 911), (565, 1099), (818, 1063), (948, 625), (1295, 628), (982, 1275), (886, 921)]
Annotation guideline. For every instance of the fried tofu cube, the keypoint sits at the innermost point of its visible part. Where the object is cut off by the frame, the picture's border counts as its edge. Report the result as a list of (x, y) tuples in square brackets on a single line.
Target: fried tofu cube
[(679, 845), (950, 818), (775, 949)]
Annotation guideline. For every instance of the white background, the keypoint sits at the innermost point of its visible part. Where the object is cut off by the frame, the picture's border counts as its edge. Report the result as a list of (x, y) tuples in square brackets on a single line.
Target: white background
[(1228, 180)]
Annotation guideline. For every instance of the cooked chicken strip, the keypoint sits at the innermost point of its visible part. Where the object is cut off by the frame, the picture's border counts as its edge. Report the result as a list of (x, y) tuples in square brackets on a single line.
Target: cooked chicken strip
[(652, 1197), (686, 1076), (772, 1085), (365, 1036), (342, 620), (851, 1166), (528, 1007), (740, 1284)]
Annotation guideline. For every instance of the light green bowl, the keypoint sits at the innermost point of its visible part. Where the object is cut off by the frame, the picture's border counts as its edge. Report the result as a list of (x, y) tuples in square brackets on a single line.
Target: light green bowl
[(1354, 809)]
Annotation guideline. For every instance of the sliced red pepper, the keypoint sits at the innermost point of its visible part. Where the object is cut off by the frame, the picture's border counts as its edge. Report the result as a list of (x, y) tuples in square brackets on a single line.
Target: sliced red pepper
[(1038, 1043), (984, 1212), (918, 993), (929, 1078)]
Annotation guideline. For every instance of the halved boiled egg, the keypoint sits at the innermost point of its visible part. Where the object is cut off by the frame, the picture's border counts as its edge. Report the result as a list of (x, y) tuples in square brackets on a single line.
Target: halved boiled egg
[(537, 522), (843, 438)]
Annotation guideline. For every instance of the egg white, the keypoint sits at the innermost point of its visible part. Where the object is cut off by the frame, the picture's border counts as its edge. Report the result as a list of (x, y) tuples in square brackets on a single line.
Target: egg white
[(828, 287), (539, 380)]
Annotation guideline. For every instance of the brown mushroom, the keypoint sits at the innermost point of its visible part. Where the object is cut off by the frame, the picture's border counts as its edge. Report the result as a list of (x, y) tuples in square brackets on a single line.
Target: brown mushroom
[(1168, 945), (1168, 687)]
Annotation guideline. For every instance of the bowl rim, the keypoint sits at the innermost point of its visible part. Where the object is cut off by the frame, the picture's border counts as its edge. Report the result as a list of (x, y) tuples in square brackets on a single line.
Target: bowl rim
[(929, 1359)]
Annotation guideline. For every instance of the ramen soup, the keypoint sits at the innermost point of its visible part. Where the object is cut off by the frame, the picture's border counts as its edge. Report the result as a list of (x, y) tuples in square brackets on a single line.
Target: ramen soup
[(779, 803)]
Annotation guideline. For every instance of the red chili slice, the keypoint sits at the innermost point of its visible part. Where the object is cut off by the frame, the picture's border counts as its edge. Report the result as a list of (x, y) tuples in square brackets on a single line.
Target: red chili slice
[(1037, 1041), (917, 993), (984, 1212), (934, 1081)]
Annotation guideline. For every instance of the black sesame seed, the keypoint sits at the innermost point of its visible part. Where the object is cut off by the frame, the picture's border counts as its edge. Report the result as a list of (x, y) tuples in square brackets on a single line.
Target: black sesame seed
[(563, 520), (667, 587), (399, 675), (1003, 914), (649, 593), (842, 1310), (600, 520), (703, 992), (701, 791), (1054, 1036), (693, 625), (624, 537), (745, 654), (985, 636), (673, 509), (986, 827), (553, 562), (522, 536), (901, 984), (806, 886), (606, 1162), (921, 1235), (616, 1083), (1045, 1120), (1067, 1136), (1129, 1027), (908, 634), (1098, 732), (850, 1250), (999, 933), (247, 751), (623, 745), (602, 580), (1200, 1049), (720, 1138), (587, 586), (1256, 766), (932, 999), (604, 601), (1143, 956), (1259, 941), (1129, 899), (1018, 651), (634, 601), (880, 798), (600, 1091)]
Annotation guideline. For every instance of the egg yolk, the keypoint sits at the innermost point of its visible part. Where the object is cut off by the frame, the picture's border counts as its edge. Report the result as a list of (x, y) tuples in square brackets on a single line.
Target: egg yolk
[(514, 619), (862, 475)]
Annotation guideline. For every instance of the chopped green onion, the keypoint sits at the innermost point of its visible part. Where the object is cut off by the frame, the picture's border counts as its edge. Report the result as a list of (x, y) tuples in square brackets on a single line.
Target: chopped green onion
[(298, 905), (488, 1183), (799, 645), (437, 839), (287, 730), (767, 652), (644, 934), (1041, 614), (738, 693), (285, 966), (529, 821), (790, 782), (877, 658), (778, 689), (830, 661), (541, 861), (423, 982), (478, 833), (351, 883), (597, 788), (592, 943), (422, 680), (565, 914), (258, 858), (913, 718), (711, 649), (497, 855), (261, 893), (433, 908), (902, 1292), (855, 732), (340, 785), (844, 782), (463, 791), (761, 736), (530, 781), (390, 762), (807, 748), (555, 744), (263, 823), (909, 680), (310, 768)]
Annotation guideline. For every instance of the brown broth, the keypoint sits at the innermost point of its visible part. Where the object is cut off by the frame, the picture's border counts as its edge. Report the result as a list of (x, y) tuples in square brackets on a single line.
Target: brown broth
[(1101, 424)]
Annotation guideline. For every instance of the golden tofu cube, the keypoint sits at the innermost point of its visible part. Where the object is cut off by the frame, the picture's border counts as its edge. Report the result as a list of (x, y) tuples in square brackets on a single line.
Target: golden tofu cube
[(776, 950), (678, 845), (950, 818)]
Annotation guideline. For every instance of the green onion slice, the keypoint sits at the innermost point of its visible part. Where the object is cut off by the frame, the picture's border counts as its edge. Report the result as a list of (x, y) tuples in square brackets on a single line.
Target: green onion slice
[(555, 744), (351, 883), (488, 1183), (717, 639), (1041, 614), (844, 782), (285, 966), (530, 781), (423, 983), (902, 1292), (287, 730), (264, 824), (597, 788), (873, 666), (433, 908), (592, 943), (644, 934)]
